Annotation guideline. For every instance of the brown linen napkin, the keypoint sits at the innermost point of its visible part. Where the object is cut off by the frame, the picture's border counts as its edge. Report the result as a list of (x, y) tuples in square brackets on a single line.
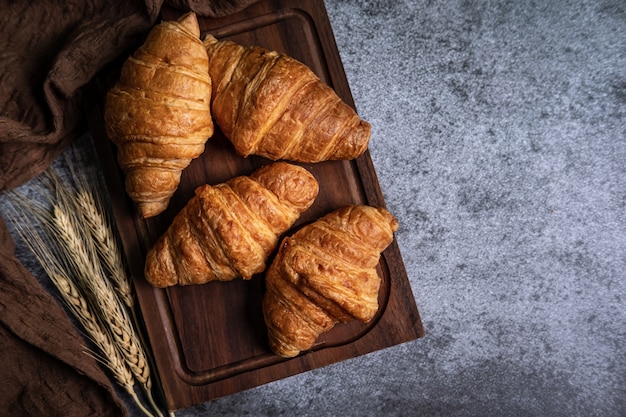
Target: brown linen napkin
[(49, 51)]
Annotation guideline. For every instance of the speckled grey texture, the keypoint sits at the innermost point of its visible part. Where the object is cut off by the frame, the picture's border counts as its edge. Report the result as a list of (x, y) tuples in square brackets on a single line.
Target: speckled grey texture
[(499, 138)]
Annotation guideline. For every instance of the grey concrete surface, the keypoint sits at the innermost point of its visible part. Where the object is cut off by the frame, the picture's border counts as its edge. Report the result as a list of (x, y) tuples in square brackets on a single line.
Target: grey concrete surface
[(499, 138)]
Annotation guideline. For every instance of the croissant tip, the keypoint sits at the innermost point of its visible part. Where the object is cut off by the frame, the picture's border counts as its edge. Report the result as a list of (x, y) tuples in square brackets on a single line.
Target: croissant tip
[(147, 210), (209, 40), (188, 17), (190, 22)]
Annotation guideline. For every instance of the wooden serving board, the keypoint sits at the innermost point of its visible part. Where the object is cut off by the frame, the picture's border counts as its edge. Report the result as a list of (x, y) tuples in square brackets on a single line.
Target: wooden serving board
[(210, 340)]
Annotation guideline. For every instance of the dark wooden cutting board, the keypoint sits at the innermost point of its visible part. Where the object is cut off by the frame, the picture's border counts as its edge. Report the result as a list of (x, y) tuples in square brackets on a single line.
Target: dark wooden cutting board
[(209, 340)]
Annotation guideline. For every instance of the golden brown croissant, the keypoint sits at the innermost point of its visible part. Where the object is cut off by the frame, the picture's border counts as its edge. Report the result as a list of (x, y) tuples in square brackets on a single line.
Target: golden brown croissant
[(323, 274), (158, 113), (229, 230), (272, 105)]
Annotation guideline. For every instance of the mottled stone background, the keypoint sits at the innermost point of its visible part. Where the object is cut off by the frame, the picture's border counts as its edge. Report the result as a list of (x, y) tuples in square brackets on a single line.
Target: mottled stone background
[(500, 144)]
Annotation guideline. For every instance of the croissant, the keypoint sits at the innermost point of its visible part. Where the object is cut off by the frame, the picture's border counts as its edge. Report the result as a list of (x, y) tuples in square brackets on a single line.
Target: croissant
[(158, 113), (324, 274), (229, 230), (272, 105)]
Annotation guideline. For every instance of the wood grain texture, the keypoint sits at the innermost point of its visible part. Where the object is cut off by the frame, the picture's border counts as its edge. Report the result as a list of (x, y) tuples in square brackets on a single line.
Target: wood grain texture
[(210, 340)]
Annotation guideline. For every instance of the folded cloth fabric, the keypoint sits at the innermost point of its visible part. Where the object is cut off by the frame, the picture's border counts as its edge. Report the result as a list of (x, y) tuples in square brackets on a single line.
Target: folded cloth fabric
[(50, 50)]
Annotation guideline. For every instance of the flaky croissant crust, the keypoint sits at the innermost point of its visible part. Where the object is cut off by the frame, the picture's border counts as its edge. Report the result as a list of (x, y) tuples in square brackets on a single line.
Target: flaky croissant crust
[(229, 230), (272, 105), (324, 274), (158, 113)]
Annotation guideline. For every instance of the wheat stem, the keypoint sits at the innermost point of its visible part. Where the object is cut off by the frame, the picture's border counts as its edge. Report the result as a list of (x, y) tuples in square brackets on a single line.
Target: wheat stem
[(109, 305), (47, 255), (103, 293), (84, 240)]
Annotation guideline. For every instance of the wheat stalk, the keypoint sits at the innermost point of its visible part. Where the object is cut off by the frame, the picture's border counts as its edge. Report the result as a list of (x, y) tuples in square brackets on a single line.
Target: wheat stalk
[(80, 309), (110, 356), (108, 305), (86, 243), (83, 252), (84, 239), (88, 195), (47, 254), (106, 244)]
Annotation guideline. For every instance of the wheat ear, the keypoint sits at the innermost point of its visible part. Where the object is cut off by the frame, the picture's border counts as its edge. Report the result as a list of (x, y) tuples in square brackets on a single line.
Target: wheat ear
[(52, 262), (104, 297), (103, 294), (85, 198), (106, 244), (110, 356)]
